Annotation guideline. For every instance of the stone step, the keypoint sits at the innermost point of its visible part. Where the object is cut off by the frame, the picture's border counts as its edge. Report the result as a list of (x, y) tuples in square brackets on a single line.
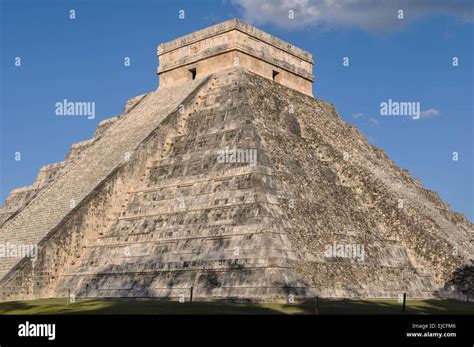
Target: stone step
[(83, 175)]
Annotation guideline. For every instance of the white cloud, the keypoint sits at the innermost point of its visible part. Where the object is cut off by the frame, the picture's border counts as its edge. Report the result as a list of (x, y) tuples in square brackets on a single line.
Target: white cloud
[(431, 112), (369, 15), (374, 122), (357, 115)]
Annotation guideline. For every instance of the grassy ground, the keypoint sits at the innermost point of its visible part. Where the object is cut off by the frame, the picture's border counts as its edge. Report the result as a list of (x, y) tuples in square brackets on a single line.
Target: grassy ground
[(60, 306)]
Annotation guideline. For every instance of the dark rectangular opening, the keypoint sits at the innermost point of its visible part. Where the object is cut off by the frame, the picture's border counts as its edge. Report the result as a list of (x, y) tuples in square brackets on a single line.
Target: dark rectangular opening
[(193, 73), (275, 74)]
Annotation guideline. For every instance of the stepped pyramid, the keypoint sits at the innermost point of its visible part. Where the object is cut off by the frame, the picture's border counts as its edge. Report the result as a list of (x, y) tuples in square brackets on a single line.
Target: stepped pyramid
[(233, 180)]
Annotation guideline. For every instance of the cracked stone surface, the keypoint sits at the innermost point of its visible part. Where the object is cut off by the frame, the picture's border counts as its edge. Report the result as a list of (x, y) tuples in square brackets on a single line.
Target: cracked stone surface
[(146, 208), (172, 216)]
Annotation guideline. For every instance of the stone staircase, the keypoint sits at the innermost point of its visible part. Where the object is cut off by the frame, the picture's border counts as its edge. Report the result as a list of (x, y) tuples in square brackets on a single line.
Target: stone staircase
[(196, 222), (76, 181), (156, 213)]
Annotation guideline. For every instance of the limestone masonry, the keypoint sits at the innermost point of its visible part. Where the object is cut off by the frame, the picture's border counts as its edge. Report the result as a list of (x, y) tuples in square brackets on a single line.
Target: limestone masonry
[(231, 179), (231, 44)]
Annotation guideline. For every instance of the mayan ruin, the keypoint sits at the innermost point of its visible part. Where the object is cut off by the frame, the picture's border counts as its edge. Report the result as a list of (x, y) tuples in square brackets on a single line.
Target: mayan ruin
[(231, 181)]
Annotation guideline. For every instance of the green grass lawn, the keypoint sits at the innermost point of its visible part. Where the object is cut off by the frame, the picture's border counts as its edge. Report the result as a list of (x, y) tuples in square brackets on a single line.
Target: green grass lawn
[(123, 306)]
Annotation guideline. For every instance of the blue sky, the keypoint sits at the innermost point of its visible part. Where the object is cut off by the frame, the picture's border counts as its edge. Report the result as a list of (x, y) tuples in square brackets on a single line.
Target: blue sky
[(402, 60)]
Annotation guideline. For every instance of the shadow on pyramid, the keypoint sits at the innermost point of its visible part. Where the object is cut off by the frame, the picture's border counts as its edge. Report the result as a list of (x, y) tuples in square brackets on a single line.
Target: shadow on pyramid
[(231, 182)]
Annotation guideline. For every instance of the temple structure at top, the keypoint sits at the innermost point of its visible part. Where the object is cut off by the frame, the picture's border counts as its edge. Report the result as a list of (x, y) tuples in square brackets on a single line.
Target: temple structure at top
[(230, 44)]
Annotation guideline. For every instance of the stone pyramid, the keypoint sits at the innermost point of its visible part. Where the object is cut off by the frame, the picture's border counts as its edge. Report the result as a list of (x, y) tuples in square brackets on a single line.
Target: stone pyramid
[(232, 180)]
